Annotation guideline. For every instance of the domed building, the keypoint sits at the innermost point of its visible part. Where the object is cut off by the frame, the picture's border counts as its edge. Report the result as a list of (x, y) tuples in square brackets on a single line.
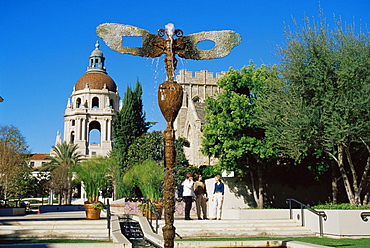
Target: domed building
[(92, 108)]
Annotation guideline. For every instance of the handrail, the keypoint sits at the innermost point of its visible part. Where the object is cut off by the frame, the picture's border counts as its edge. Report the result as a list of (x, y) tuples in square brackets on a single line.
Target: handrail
[(322, 215), (364, 216), (152, 209), (157, 215)]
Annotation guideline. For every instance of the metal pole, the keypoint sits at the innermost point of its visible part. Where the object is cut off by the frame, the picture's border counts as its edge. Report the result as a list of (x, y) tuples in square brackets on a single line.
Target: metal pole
[(108, 219), (302, 215)]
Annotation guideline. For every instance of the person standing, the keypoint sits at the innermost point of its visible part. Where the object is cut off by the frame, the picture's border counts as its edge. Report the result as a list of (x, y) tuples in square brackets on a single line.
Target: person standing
[(188, 194), (218, 198), (200, 197)]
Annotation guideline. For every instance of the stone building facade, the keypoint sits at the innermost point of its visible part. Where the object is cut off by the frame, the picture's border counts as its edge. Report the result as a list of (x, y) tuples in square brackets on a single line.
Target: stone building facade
[(92, 106), (191, 117)]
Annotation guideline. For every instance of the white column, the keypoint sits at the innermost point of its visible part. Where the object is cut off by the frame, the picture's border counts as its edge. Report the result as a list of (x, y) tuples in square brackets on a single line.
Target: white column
[(109, 130), (83, 129)]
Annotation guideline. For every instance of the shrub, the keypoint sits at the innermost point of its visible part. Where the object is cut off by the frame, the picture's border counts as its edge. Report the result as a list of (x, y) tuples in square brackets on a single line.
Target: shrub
[(340, 206)]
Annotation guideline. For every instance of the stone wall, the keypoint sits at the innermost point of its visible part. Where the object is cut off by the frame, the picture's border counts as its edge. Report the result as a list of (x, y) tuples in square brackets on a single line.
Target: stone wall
[(188, 124)]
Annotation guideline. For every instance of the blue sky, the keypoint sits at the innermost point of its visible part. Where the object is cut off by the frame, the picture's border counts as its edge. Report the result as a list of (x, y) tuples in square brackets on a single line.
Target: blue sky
[(45, 45)]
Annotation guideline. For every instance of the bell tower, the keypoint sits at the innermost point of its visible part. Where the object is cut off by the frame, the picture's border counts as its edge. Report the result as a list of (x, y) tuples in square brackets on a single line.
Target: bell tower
[(92, 108)]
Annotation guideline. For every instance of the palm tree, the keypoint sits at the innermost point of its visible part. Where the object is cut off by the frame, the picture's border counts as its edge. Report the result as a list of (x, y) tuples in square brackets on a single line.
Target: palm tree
[(64, 159)]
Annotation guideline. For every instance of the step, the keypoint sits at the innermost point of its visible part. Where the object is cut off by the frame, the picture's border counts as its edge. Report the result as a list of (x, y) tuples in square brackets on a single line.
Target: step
[(238, 228), (51, 230), (55, 227), (45, 236), (54, 222), (242, 233), (236, 224), (85, 229), (39, 233)]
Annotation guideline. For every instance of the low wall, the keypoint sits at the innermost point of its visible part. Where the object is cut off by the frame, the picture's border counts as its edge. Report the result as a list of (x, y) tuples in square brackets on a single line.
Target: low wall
[(339, 223), (117, 235), (12, 211), (255, 214), (60, 208)]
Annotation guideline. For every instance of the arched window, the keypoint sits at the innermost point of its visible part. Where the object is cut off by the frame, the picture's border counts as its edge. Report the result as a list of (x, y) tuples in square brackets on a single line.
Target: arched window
[(73, 122), (94, 132), (196, 99), (188, 132), (111, 103), (95, 102), (78, 103), (72, 140)]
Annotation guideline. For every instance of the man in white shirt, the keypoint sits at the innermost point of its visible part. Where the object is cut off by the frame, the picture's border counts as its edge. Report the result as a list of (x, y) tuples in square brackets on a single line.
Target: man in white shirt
[(188, 194)]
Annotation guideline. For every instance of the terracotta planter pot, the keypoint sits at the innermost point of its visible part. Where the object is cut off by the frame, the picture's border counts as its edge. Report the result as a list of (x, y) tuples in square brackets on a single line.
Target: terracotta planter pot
[(92, 213), (151, 215)]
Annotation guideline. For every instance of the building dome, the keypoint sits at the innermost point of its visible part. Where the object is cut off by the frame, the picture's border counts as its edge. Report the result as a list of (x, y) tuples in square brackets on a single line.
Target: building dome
[(97, 52), (97, 81)]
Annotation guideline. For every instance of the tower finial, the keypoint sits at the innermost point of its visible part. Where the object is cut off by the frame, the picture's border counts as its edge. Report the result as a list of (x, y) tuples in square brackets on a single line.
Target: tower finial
[(96, 60)]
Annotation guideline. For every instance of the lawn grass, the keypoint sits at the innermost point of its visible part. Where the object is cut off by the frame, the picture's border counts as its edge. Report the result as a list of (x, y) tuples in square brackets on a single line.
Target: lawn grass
[(350, 243)]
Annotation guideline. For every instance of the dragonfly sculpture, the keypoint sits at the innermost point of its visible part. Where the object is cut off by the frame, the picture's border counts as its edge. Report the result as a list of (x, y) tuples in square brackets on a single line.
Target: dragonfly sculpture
[(170, 92), (155, 45)]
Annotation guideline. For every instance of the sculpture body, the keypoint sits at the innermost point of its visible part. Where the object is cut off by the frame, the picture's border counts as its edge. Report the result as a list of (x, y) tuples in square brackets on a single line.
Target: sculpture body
[(170, 92)]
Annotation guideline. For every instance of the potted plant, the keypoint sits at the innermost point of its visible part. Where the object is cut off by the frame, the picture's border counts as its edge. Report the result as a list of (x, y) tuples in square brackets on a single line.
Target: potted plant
[(148, 177), (92, 173)]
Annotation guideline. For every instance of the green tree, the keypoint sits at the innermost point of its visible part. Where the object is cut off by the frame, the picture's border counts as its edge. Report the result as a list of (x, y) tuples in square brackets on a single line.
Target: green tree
[(63, 160), (150, 146), (233, 132), (13, 157), (182, 166), (41, 185), (22, 184), (129, 124), (322, 104), (147, 146)]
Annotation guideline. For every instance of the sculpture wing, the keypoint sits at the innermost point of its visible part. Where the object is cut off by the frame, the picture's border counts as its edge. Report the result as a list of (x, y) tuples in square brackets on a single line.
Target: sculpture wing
[(112, 33), (225, 40)]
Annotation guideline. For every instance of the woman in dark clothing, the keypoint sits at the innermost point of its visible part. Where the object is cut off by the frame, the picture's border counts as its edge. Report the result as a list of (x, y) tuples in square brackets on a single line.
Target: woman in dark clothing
[(188, 194), (200, 197)]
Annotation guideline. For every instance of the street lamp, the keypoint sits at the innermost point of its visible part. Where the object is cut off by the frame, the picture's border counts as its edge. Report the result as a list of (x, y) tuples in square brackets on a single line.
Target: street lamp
[(170, 92)]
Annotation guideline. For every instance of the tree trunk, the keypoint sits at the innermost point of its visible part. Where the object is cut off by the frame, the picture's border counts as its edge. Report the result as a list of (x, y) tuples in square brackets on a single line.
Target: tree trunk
[(334, 186), (364, 183), (59, 199), (356, 187), (342, 170), (367, 193), (69, 191), (260, 187), (257, 193), (114, 185), (5, 191)]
